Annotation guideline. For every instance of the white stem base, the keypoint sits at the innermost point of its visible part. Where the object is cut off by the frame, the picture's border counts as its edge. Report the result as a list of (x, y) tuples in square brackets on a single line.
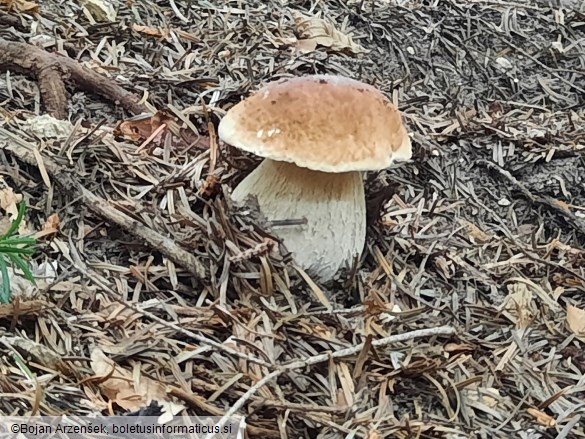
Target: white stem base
[(332, 204)]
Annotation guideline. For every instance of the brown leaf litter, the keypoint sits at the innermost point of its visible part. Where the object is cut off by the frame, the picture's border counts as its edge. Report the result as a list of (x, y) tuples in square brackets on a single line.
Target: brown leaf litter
[(464, 317)]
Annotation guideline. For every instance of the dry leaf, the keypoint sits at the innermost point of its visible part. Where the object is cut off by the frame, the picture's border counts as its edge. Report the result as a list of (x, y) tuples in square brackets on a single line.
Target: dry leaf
[(100, 10), (567, 281), (52, 222), (305, 46), (474, 232), (576, 320), (21, 5), (39, 353), (490, 396), (374, 434), (118, 385), (446, 267), (50, 227), (458, 347), (187, 36), (563, 205), (116, 314), (134, 130), (9, 200), (541, 417), (517, 305), (150, 31), (5, 225), (279, 42), (341, 401), (301, 46), (138, 130), (47, 127), (29, 307), (558, 245), (321, 32), (558, 292), (318, 330)]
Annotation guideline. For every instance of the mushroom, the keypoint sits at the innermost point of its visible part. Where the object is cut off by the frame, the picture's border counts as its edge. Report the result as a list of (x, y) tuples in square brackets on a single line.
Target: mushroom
[(317, 134)]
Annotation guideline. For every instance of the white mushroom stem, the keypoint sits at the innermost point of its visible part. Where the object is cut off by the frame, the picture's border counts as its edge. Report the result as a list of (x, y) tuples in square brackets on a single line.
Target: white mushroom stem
[(333, 205)]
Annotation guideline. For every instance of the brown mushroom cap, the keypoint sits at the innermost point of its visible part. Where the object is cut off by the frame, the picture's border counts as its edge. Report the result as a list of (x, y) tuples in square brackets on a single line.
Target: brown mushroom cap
[(320, 122)]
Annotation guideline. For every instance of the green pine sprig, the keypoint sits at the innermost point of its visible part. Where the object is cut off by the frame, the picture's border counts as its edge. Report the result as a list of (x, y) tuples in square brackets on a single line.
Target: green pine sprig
[(14, 250)]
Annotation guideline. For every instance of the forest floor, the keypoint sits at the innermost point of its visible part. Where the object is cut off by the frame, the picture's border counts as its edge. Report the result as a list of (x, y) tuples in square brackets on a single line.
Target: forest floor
[(150, 287)]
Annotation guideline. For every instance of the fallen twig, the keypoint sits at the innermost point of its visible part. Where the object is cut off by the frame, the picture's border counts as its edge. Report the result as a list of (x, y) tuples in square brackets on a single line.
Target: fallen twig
[(157, 241), (297, 364), (420, 333), (549, 202), (51, 69), (164, 245)]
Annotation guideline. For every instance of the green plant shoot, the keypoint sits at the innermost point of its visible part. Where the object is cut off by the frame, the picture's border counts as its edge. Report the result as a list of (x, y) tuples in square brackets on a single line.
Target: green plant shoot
[(14, 250)]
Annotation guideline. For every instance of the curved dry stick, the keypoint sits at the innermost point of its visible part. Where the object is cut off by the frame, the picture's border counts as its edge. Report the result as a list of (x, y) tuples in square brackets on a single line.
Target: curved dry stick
[(301, 363), (164, 245), (155, 240), (51, 69)]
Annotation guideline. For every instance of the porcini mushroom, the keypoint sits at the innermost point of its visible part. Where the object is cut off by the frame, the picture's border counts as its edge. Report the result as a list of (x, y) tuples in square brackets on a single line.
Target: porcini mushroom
[(317, 133)]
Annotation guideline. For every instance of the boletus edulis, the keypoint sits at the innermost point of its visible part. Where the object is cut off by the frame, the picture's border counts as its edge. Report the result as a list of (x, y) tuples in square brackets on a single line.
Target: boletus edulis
[(318, 135)]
